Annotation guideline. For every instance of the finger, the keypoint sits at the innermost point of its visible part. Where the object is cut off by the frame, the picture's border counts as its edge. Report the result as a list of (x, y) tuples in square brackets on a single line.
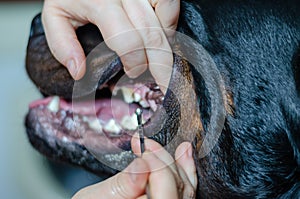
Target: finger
[(187, 190), (63, 44), (159, 54), (155, 148), (184, 158), (120, 36), (162, 183), (167, 11), (143, 197), (128, 184), (163, 155)]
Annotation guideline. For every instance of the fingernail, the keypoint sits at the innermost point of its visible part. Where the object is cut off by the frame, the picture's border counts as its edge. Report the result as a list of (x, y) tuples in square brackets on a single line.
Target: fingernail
[(71, 65), (189, 151)]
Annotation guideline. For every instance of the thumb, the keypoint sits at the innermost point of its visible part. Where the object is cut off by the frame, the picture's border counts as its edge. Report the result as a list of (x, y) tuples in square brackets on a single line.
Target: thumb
[(130, 184)]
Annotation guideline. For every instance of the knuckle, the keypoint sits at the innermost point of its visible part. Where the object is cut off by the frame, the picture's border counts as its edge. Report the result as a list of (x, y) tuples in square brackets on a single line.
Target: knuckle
[(155, 38), (118, 189), (134, 46)]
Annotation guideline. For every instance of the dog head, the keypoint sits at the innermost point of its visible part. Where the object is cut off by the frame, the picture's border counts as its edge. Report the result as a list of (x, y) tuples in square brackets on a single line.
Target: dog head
[(94, 116), (256, 54)]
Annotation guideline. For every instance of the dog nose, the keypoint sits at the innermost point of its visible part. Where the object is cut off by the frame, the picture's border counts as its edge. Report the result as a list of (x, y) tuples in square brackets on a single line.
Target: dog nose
[(36, 26)]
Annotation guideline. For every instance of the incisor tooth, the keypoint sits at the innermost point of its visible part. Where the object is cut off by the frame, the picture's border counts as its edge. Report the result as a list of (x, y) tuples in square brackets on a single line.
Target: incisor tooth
[(144, 104), (127, 94), (112, 127), (129, 122), (53, 105), (137, 97)]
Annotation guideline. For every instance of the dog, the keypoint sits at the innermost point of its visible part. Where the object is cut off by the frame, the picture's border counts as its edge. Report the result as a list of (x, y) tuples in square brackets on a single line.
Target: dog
[(255, 48)]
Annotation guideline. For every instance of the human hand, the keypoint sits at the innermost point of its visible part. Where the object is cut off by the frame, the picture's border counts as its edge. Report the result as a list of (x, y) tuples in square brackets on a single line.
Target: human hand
[(168, 178), (165, 177), (122, 24)]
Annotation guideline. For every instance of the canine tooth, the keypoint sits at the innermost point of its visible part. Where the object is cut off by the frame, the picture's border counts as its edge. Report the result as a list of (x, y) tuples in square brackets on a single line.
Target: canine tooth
[(144, 104), (137, 97), (129, 122), (112, 127), (127, 94), (53, 105)]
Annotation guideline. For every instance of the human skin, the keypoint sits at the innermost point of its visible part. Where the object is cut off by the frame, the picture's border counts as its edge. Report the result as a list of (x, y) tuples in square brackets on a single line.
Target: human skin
[(144, 26), (155, 169)]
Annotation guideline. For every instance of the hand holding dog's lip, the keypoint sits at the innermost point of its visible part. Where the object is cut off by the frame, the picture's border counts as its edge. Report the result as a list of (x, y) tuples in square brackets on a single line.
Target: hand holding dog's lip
[(120, 19), (54, 79), (167, 123), (162, 173), (254, 45)]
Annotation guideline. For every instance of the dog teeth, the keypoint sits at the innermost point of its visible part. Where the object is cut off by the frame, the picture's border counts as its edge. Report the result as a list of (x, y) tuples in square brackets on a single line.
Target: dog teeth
[(129, 122), (53, 105), (137, 97), (156, 88), (112, 127), (144, 104), (127, 94), (95, 125)]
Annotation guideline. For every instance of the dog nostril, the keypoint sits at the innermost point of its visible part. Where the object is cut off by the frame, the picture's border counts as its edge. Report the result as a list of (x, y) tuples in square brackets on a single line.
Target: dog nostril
[(36, 26)]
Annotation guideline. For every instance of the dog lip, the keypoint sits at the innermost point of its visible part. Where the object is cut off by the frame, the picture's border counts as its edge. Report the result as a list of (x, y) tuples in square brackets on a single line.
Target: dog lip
[(68, 123), (67, 127)]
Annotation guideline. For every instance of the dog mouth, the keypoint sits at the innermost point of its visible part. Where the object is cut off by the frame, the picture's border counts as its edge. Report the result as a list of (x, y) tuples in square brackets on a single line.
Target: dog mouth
[(105, 124), (91, 126), (83, 124)]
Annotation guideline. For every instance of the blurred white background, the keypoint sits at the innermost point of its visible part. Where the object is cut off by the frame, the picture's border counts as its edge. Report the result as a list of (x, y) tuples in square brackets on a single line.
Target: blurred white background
[(24, 173)]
